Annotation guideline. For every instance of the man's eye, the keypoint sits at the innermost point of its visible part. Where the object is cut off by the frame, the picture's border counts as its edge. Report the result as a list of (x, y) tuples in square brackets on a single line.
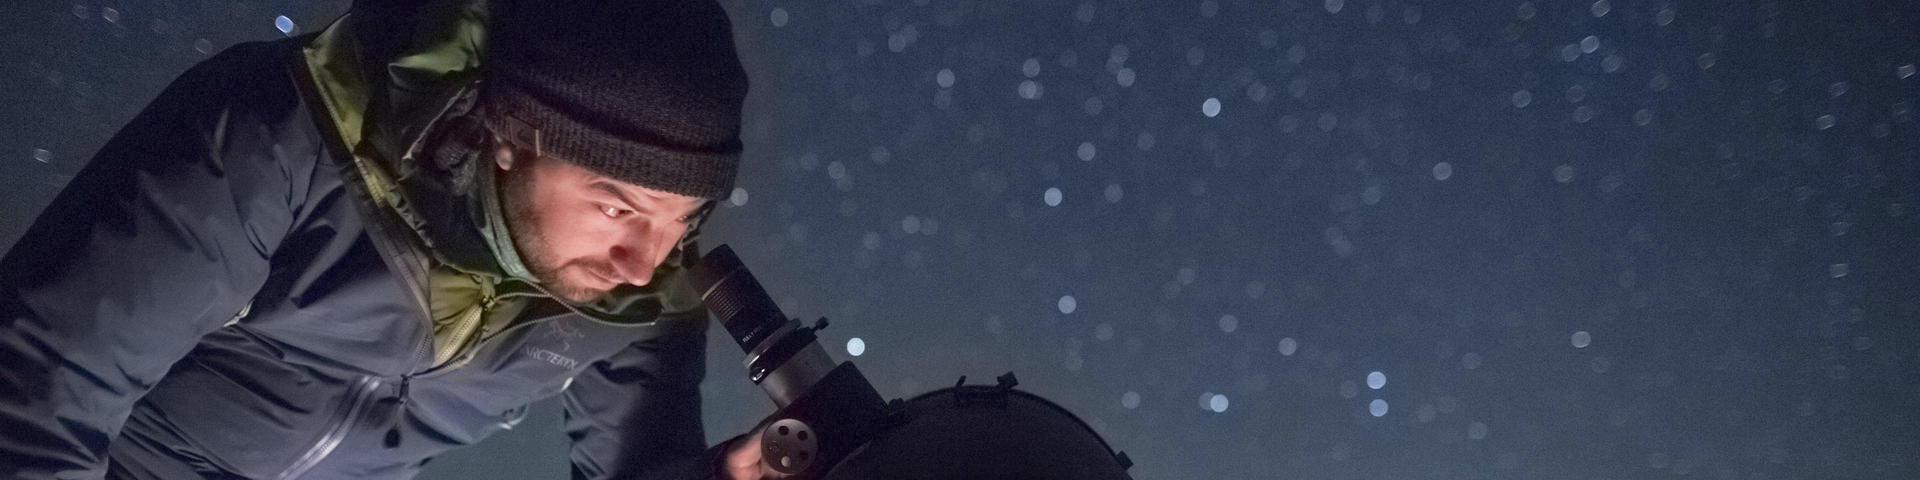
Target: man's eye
[(613, 212)]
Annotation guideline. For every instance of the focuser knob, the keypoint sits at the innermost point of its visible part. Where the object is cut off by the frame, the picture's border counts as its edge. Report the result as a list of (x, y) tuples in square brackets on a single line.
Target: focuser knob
[(789, 446)]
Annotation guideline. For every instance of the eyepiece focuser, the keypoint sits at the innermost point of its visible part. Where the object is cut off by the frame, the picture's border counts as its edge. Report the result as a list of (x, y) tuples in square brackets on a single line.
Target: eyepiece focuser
[(782, 355)]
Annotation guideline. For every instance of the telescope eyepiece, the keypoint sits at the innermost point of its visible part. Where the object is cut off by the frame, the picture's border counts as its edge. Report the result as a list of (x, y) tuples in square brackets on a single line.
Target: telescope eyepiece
[(736, 299)]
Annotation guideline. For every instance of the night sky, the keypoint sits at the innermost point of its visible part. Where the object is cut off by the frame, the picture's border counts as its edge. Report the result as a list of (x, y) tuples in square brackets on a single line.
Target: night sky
[(1268, 239)]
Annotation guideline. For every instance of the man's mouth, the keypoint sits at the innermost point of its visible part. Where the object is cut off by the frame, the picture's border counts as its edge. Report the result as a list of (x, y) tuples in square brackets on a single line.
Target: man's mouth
[(603, 278)]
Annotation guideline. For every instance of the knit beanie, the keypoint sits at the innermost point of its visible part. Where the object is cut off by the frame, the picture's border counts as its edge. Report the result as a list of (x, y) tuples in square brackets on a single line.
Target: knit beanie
[(647, 92)]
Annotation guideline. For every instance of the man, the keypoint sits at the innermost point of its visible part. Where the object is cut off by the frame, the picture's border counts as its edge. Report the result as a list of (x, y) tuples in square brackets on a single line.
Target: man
[(339, 255)]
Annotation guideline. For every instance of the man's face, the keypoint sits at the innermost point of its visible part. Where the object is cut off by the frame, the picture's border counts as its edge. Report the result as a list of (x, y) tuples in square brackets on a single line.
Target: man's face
[(581, 233)]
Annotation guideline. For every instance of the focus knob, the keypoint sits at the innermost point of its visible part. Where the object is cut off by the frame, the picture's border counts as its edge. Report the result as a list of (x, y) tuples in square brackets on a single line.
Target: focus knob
[(789, 446)]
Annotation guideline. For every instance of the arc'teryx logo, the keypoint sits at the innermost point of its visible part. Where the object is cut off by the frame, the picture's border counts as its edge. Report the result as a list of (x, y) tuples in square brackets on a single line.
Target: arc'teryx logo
[(561, 332), (548, 356)]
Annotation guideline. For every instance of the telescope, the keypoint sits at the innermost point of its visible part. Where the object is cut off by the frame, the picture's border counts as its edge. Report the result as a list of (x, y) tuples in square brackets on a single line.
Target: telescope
[(830, 423)]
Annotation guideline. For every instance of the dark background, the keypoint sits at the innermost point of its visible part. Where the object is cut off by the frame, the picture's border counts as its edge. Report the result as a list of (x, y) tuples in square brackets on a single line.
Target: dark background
[(1613, 239)]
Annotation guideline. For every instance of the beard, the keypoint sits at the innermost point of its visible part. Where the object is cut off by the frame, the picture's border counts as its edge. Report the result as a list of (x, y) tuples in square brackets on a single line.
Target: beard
[(530, 241)]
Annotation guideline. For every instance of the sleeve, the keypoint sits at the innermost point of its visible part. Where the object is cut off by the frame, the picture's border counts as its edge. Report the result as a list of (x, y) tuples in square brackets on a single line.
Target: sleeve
[(637, 413), (164, 236)]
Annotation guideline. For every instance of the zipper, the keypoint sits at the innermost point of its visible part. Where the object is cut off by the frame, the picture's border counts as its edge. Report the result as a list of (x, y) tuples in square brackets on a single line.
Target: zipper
[(358, 397), (462, 329), (465, 328), (401, 256)]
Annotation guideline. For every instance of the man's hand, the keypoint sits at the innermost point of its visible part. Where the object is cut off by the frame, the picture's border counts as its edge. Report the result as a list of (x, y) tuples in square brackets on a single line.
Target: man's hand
[(743, 460)]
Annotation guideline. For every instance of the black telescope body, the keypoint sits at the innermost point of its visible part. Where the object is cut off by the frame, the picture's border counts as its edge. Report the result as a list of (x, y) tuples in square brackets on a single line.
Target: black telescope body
[(832, 424)]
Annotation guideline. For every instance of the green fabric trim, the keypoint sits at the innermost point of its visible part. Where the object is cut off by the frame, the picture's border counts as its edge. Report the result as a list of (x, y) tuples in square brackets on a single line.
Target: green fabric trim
[(449, 49), (336, 80)]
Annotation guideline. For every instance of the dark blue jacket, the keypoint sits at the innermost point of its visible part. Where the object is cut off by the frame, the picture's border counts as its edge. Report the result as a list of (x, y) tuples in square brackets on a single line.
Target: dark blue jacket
[(216, 295)]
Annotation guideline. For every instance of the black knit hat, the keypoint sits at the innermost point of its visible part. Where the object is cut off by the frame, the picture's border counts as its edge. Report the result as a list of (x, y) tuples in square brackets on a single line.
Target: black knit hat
[(644, 91)]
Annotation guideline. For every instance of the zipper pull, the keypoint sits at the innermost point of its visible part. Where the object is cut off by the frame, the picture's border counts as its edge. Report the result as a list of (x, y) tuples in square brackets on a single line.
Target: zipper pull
[(489, 293), (405, 381), (392, 438)]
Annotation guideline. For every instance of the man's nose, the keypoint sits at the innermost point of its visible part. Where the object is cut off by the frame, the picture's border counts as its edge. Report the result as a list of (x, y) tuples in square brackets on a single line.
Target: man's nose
[(640, 250), (633, 263)]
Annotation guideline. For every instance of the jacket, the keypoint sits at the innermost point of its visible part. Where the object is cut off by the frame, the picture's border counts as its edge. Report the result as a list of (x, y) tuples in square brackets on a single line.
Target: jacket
[(246, 281)]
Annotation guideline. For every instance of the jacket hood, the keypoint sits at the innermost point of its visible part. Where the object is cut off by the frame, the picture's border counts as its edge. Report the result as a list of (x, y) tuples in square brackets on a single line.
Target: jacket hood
[(394, 79)]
